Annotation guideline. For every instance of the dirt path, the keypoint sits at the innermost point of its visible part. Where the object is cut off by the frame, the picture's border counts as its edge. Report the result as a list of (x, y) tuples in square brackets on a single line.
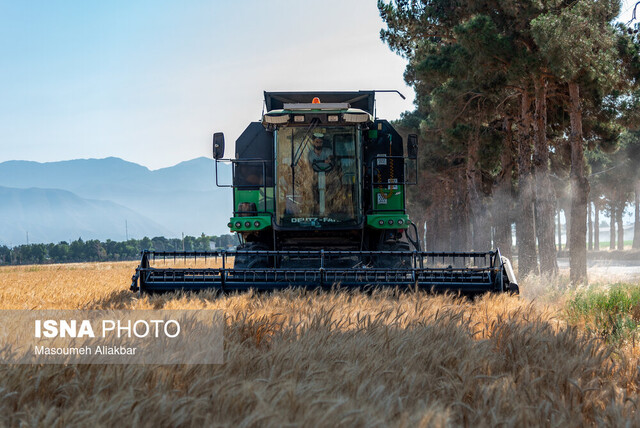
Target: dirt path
[(609, 270)]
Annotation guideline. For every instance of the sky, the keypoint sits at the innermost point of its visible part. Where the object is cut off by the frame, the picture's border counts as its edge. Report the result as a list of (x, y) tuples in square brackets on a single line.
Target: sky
[(150, 81)]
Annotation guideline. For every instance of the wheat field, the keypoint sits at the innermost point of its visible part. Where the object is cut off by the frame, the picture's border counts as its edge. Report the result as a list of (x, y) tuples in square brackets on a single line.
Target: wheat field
[(304, 358)]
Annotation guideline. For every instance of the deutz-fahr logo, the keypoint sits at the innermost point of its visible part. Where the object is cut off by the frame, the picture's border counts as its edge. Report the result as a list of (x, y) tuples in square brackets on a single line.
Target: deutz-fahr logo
[(313, 220)]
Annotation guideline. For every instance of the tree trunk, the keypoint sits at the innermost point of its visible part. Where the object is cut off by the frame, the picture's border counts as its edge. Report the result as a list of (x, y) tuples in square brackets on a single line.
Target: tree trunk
[(525, 230), (419, 220), (480, 217), (559, 230), (566, 208), (460, 216), (619, 212), (612, 228), (429, 243), (501, 201), (590, 227), (419, 202), (596, 226), (579, 192), (636, 219), (424, 236), (442, 224), (545, 199), (437, 219)]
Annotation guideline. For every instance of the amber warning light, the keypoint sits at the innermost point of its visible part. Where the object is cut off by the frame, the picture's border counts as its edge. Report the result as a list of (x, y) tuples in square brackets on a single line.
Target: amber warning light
[(316, 100)]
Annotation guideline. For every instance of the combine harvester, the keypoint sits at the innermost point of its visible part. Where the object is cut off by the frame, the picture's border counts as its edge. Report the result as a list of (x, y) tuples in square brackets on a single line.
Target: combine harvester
[(319, 196)]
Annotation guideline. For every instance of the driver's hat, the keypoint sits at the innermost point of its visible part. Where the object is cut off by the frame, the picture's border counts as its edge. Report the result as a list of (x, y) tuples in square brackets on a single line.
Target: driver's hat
[(318, 135)]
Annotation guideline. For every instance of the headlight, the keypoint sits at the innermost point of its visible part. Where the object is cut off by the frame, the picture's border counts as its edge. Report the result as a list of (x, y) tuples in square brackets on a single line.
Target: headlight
[(355, 117), (277, 120)]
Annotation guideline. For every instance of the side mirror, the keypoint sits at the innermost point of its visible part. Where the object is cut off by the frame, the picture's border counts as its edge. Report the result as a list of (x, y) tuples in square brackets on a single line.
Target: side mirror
[(412, 146), (218, 145)]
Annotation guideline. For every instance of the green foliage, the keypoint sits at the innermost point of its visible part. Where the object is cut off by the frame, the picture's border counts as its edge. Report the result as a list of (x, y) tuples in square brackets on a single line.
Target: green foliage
[(410, 120), (471, 62), (605, 244), (97, 251), (613, 174), (579, 41), (613, 314)]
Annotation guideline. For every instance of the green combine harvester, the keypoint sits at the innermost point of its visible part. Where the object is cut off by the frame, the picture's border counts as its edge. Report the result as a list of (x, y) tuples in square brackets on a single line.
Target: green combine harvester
[(319, 197)]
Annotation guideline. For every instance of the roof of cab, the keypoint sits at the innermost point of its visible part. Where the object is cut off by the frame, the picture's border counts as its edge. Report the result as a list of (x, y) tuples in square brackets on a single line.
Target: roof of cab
[(363, 100)]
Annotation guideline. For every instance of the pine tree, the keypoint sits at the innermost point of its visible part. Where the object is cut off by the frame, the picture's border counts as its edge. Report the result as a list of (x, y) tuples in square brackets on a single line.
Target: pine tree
[(513, 79), (580, 47)]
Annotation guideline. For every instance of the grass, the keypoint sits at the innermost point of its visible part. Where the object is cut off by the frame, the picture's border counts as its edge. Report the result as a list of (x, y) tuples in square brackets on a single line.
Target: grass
[(613, 314), (300, 358), (605, 245)]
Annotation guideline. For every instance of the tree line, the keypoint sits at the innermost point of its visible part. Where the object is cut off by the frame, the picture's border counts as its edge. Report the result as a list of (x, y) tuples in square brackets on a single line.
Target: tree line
[(521, 107), (98, 251)]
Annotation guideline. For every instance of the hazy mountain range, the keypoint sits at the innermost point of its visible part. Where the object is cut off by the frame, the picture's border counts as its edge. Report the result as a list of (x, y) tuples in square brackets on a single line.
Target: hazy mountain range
[(110, 199)]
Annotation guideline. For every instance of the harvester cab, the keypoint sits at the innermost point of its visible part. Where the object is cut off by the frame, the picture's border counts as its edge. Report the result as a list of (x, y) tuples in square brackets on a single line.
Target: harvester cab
[(319, 199), (319, 172)]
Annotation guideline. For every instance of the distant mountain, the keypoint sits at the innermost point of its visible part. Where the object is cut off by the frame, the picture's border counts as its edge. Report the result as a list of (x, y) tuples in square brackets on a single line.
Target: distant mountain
[(180, 199), (79, 174), (70, 174), (51, 215)]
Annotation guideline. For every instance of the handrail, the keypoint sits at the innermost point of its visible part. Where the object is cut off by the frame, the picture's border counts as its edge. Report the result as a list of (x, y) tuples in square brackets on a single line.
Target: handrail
[(263, 187), (389, 182)]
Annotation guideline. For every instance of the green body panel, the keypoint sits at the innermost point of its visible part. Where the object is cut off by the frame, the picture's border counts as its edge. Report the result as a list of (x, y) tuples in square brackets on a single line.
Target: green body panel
[(263, 220), (373, 220), (256, 197), (388, 199)]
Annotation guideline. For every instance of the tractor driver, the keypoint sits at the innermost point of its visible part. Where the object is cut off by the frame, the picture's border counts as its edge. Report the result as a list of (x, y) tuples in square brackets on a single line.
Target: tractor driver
[(321, 161), (320, 157)]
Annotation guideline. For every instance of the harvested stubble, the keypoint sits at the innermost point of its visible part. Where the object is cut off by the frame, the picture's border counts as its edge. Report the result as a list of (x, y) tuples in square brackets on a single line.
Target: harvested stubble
[(331, 359)]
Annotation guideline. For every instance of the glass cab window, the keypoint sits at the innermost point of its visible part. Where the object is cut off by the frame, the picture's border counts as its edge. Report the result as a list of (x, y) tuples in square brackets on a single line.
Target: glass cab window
[(317, 176)]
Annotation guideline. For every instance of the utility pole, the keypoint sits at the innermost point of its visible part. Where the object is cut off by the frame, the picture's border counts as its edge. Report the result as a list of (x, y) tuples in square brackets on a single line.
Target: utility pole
[(126, 230), (182, 241), (27, 237)]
